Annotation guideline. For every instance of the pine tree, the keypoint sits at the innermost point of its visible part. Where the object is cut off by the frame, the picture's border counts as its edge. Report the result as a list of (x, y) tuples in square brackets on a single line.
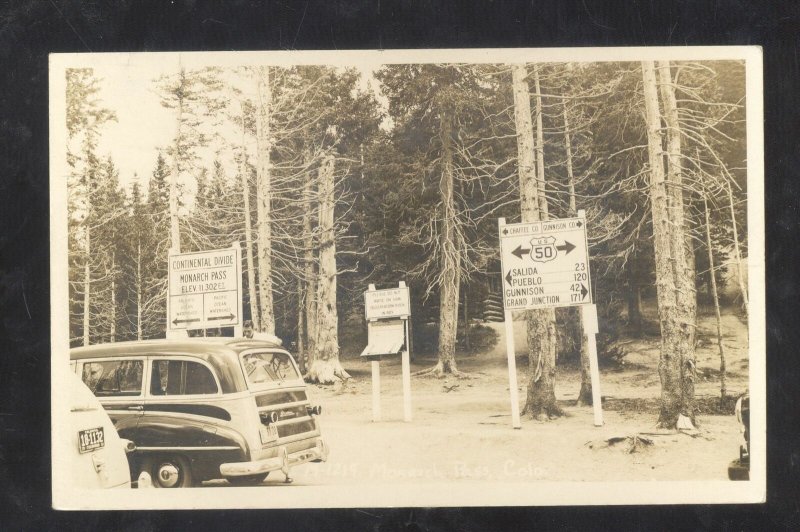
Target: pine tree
[(84, 119), (449, 186), (192, 96)]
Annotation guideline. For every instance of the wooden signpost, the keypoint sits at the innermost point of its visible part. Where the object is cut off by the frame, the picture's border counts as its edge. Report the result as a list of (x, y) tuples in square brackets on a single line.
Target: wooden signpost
[(545, 264), (387, 313)]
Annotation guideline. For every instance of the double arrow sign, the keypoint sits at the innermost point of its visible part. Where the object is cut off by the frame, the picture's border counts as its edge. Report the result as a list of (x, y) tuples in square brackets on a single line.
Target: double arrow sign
[(521, 252)]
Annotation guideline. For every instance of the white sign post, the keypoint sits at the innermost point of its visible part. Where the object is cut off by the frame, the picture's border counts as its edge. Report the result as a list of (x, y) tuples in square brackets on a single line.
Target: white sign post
[(511, 355), (590, 327), (205, 290), (387, 313), (546, 265)]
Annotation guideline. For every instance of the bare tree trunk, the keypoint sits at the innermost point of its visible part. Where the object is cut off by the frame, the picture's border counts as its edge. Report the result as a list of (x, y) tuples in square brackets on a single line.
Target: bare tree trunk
[(573, 207), (139, 290), (326, 368), (87, 282), (541, 403), (541, 182), (248, 234), (669, 366), (450, 260), (585, 392), (301, 327), (739, 265), (525, 161), (174, 228), (684, 249), (634, 298), (542, 341), (723, 391), (682, 244), (263, 202), (673, 324), (466, 320), (113, 328), (309, 271)]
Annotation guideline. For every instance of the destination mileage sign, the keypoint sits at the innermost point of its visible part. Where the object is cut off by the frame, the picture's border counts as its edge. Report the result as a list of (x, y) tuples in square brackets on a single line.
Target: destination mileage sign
[(545, 264)]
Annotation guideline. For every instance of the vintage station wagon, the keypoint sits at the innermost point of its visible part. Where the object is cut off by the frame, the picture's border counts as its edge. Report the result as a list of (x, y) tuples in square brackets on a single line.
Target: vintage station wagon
[(205, 408)]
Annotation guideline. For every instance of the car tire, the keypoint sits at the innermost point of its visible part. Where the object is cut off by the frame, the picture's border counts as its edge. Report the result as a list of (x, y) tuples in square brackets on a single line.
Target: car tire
[(248, 480), (169, 471)]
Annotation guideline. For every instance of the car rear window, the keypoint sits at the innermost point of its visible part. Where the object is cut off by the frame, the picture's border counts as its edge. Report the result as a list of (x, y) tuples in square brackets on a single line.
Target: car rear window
[(268, 367), (181, 377)]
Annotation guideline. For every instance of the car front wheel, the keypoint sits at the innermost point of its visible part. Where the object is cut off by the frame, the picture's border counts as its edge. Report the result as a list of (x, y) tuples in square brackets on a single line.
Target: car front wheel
[(169, 471)]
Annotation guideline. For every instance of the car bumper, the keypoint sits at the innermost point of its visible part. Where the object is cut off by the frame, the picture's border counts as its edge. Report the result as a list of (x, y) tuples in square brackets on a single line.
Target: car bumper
[(284, 460)]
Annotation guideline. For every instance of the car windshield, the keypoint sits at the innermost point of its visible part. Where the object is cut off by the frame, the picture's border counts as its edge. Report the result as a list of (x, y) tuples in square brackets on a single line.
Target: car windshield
[(269, 367)]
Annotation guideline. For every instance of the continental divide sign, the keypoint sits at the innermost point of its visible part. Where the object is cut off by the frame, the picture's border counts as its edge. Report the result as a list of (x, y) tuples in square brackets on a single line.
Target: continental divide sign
[(545, 264), (205, 289)]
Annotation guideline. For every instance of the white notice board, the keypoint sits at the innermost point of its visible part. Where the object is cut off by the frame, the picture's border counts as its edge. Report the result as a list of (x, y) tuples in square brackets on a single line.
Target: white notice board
[(389, 303)]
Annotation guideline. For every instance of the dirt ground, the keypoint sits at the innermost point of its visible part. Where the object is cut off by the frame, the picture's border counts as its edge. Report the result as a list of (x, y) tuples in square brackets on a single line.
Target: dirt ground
[(461, 428)]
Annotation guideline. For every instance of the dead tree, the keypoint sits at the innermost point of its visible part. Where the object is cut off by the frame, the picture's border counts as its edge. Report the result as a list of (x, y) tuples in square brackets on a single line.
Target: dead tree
[(715, 298), (263, 201), (676, 363), (325, 368), (542, 341)]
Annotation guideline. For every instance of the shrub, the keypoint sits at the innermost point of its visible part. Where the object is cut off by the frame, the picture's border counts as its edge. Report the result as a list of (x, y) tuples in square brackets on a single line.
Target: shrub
[(481, 338)]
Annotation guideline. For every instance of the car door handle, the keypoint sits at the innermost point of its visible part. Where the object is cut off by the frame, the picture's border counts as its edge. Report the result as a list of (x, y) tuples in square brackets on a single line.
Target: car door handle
[(138, 408)]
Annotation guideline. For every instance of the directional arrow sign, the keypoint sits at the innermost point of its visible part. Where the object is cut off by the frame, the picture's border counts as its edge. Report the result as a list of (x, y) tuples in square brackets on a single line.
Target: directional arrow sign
[(545, 264), (519, 252), (568, 246), (176, 321), (228, 317)]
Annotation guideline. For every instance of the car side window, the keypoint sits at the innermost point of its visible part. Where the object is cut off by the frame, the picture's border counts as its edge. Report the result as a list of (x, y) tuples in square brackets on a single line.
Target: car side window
[(114, 378), (181, 377)]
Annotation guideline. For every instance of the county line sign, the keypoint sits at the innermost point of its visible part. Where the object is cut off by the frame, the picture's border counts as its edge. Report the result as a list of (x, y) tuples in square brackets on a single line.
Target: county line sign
[(205, 289), (545, 264)]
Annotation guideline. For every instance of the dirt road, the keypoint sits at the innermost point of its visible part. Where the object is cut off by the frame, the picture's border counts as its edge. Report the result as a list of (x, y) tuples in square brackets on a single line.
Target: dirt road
[(465, 434)]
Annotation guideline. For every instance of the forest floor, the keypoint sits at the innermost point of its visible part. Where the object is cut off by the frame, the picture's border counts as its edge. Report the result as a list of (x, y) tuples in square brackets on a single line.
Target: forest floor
[(461, 428)]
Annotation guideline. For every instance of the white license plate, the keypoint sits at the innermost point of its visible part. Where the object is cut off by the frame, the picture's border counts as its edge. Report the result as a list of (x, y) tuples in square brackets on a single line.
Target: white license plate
[(269, 433), (91, 439)]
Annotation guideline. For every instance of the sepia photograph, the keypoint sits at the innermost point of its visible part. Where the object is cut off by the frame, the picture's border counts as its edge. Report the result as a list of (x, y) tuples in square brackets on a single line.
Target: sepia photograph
[(484, 277)]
